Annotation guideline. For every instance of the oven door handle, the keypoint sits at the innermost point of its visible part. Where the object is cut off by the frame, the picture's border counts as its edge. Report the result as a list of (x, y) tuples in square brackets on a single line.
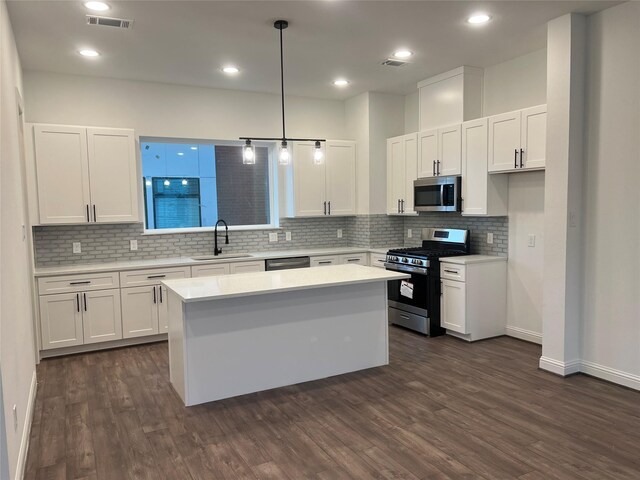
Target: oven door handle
[(405, 269)]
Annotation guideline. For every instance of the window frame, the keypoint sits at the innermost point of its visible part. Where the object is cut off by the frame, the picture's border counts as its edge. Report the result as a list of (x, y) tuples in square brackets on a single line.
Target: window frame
[(273, 184)]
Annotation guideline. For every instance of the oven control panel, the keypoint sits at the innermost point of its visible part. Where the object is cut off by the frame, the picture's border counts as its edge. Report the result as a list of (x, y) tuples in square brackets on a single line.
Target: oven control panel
[(402, 260)]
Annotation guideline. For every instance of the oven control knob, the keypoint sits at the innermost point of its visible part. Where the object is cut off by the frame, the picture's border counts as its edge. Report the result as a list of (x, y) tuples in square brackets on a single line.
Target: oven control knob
[(405, 260)]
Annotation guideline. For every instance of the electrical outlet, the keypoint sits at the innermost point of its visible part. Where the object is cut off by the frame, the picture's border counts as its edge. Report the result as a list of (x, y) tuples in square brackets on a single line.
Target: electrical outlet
[(489, 238), (273, 237), (409, 233), (531, 240), (287, 236), (133, 245), (15, 418), (339, 233), (77, 247)]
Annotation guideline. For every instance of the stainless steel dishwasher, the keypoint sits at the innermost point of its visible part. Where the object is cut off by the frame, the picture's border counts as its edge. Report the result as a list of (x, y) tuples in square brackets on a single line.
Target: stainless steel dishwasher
[(287, 263)]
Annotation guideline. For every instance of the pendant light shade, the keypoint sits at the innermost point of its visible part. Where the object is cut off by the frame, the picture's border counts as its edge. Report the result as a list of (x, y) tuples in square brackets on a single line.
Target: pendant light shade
[(284, 156), (318, 155), (248, 153)]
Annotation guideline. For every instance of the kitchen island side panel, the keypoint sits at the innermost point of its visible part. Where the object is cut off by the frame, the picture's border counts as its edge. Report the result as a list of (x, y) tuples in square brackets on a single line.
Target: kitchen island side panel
[(243, 345), (177, 359)]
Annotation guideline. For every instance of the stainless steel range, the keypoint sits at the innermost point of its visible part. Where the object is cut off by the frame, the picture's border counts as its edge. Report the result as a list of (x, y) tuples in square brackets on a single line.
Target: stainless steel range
[(415, 303)]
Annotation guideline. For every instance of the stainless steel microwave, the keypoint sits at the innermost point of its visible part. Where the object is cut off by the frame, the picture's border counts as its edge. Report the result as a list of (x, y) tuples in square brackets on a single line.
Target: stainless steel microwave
[(437, 194)]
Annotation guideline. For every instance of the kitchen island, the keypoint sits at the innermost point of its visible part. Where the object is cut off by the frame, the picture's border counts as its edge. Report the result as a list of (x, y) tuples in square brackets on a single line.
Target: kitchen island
[(231, 335)]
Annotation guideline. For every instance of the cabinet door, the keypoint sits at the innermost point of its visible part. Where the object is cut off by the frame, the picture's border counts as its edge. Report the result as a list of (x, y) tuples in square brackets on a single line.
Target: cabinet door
[(340, 169), (309, 181), (534, 137), (62, 172), (453, 307), (113, 175), (139, 311), (163, 309), (396, 174), (410, 171), (474, 167), (246, 267), (325, 261), (60, 320), (504, 142), (449, 151), (101, 316), (210, 270), (427, 153)]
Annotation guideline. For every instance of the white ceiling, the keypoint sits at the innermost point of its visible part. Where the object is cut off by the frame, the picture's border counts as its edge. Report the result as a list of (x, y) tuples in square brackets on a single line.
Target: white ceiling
[(186, 42)]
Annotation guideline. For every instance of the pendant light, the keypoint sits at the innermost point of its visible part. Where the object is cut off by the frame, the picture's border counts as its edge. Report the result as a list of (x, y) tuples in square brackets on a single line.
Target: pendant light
[(284, 154)]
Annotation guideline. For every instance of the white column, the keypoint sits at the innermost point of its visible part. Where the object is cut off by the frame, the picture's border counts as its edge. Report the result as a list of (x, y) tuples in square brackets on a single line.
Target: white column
[(566, 50)]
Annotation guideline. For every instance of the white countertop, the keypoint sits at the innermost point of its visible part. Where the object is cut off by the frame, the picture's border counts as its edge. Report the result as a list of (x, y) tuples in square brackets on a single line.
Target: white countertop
[(187, 261), (262, 283), (469, 259)]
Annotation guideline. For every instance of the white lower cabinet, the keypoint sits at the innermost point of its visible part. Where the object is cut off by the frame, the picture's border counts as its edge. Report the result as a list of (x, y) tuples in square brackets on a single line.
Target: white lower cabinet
[(101, 316), (61, 320), (210, 270), (246, 267), (473, 302), (70, 319), (140, 311), (357, 258), (377, 259), (325, 260), (163, 310)]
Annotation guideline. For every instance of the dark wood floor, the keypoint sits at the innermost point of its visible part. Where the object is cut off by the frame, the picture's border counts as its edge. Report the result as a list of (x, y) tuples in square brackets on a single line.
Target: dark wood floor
[(442, 409)]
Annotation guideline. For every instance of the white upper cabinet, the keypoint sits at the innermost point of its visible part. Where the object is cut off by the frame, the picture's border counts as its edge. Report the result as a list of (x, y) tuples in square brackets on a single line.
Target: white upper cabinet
[(402, 171), (62, 174), (327, 188), (482, 194), (113, 174), (340, 177), (534, 137), (449, 154), (517, 140), (427, 153), (85, 175)]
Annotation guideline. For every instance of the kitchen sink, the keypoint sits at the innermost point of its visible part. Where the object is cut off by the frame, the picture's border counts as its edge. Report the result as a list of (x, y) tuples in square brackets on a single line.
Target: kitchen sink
[(222, 256)]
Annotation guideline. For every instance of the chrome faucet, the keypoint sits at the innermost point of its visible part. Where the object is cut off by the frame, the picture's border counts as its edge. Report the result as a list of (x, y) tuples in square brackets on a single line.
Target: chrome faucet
[(216, 250)]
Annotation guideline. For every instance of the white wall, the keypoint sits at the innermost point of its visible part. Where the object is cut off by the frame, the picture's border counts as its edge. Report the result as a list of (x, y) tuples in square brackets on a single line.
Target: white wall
[(157, 109), (517, 83), (412, 112), (611, 297), (524, 279), (17, 355), (357, 128)]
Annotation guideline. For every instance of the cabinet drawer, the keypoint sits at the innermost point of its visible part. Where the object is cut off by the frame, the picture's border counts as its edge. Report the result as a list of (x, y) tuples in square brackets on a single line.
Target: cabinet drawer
[(357, 258), (246, 267), (377, 260), (210, 270), (74, 283), (141, 278), (452, 271), (325, 261)]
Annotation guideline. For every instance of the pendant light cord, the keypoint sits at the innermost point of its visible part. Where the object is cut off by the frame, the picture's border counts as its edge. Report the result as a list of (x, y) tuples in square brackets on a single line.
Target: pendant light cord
[(284, 136)]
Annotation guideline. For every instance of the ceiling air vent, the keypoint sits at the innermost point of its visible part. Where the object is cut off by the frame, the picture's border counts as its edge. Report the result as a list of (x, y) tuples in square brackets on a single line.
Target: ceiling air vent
[(394, 62), (109, 22)]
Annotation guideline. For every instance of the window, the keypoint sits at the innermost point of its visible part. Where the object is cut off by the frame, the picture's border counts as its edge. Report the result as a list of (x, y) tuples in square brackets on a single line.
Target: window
[(191, 185)]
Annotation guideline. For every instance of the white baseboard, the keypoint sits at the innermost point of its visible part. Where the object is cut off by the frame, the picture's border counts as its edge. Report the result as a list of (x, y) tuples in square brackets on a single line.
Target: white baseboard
[(616, 376), (26, 432), (559, 368), (523, 334)]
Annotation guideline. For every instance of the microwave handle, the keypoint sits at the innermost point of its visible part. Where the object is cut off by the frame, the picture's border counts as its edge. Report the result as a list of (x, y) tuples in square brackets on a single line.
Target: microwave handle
[(442, 195)]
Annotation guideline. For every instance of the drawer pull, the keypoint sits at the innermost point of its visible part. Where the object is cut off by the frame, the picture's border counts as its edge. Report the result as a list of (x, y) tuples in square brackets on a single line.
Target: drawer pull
[(452, 271), (353, 259), (156, 276), (325, 262), (85, 282)]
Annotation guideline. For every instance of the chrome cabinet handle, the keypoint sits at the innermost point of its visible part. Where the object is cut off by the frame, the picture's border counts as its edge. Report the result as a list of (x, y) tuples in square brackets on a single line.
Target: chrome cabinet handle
[(515, 158), (438, 169), (434, 168), (521, 155)]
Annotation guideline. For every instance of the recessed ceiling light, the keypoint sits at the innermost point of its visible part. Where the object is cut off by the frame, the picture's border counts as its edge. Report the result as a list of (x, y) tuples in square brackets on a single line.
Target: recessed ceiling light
[(402, 53), (341, 82), (194, 148), (180, 154), (87, 52), (479, 18), (97, 6), (230, 69)]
